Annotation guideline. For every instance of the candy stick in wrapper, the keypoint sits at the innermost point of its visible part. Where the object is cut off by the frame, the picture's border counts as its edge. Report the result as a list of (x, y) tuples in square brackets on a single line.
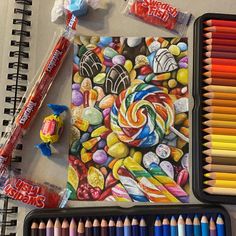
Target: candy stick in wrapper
[(139, 172), (120, 194), (29, 110), (169, 183), (131, 185)]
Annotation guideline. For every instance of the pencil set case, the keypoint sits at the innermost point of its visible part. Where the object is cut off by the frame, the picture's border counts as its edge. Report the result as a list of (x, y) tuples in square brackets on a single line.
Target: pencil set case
[(213, 113), (149, 213)]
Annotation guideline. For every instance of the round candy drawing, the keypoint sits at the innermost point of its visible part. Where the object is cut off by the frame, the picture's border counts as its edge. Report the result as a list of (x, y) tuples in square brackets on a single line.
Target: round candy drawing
[(130, 126)]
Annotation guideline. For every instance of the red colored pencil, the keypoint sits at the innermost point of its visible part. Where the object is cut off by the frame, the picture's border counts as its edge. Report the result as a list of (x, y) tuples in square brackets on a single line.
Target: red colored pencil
[(220, 29), (220, 81), (220, 61), (220, 35), (221, 54), (220, 48), (226, 23), (217, 74), (220, 68), (215, 41)]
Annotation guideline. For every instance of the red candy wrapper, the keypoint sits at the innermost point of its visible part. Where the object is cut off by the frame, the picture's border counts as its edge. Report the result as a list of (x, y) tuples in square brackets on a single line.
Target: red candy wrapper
[(159, 13), (34, 194)]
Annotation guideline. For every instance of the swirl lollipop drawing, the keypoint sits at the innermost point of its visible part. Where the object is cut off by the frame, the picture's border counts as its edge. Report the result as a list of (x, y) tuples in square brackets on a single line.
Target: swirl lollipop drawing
[(142, 115)]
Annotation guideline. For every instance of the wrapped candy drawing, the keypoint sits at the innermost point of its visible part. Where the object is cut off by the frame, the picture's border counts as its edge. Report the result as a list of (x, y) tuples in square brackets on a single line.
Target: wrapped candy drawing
[(51, 129)]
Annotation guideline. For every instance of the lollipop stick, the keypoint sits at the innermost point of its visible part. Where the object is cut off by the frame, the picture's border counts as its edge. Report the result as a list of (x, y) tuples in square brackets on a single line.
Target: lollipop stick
[(179, 134)]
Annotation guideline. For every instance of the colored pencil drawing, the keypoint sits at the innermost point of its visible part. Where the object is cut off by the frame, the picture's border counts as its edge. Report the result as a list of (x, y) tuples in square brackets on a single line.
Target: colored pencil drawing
[(130, 127)]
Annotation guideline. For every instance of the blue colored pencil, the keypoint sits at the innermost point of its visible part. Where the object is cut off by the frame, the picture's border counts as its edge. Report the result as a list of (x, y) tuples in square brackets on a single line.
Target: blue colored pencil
[(143, 227), (158, 227), (127, 227), (181, 226), (189, 227), (119, 227), (212, 227), (196, 226), (135, 227), (205, 226), (166, 227), (112, 228), (220, 226), (173, 227)]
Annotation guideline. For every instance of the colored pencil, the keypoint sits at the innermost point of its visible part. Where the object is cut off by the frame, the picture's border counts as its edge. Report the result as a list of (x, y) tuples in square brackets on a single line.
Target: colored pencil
[(112, 227), (219, 54), (219, 116), (218, 35), (226, 96), (34, 229), (65, 228), (158, 231), (220, 68), (221, 191), (189, 227), (88, 228), (173, 227), (204, 226), (143, 228), (181, 226), (219, 81), (96, 228), (222, 109), (119, 227), (220, 176), (73, 228), (220, 102), (220, 168), (214, 22), (42, 229), (135, 227), (220, 74), (221, 160), (57, 228), (221, 183), (219, 61), (219, 153), (166, 226), (220, 123), (196, 226), (220, 131), (127, 227), (81, 230), (220, 89), (220, 226), (214, 41), (221, 145), (104, 226), (212, 227), (220, 48), (49, 228), (220, 29)]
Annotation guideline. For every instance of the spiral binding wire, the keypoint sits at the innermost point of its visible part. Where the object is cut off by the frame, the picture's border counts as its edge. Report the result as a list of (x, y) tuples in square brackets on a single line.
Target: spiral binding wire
[(16, 88)]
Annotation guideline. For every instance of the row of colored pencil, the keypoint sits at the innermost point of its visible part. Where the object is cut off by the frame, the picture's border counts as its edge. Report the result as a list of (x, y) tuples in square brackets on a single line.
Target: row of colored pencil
[(220, 106), (132, 227)]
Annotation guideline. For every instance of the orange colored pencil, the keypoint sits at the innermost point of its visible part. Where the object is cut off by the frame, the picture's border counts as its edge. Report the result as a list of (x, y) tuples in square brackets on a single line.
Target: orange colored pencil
[(220, 102), (220, 116), (220, 61), (214, 41), (221, 74), (228, 23), (222, 110), (226, 96), (220, 89), (220, 29), (220, 68), (219, 81), (220, 131), (220, 48), (220, 124), (218, 35), (219, 54)]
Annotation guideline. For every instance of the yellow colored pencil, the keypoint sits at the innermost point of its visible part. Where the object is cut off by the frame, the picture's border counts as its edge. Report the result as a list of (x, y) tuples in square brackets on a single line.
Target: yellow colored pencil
[(220, 102), (221, 183), (220, 89), (220, 109), (220, 116), (220, 176), (221, 145), (220, 191), (220, 168), (220, 123), (220, 138), (220, 153), (221, 160)]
